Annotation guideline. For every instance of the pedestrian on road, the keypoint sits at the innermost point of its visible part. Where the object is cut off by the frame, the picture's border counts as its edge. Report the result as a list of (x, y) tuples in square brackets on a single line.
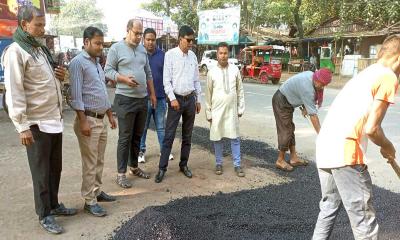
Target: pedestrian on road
[(128, 64), (354, 117), (34, 101), (90, 101), (156, 60), (304, 90), (182, 86), (224, 107)]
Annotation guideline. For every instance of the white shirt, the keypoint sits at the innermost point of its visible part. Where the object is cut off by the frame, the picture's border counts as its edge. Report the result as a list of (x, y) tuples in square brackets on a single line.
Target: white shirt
[(181, 74), (342, 140), (50, 126)]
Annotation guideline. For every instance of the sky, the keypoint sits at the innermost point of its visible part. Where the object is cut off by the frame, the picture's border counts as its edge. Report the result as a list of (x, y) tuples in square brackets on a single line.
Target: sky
[(117, 13)]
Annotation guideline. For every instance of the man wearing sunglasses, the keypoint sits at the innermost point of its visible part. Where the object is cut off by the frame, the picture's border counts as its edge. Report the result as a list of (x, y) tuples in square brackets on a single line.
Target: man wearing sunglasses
[(128, 64), (182, 87)]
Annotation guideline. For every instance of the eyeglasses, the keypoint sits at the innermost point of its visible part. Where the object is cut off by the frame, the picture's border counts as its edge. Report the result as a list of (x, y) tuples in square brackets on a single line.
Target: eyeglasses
[(137, 34), (189, 40)]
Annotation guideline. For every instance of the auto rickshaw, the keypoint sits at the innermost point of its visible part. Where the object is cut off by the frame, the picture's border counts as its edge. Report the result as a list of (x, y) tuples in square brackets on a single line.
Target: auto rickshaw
[(262, 62), (326, 59)]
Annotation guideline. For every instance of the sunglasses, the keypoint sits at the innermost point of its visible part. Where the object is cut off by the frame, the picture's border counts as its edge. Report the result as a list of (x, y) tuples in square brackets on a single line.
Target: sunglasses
[(189, 40)]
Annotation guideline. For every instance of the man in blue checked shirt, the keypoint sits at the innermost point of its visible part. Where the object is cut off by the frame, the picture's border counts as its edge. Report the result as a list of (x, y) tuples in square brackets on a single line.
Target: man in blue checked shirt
[(90, 101)]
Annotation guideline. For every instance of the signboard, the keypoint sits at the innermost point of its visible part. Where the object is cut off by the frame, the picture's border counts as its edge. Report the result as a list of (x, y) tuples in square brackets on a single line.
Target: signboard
[(8, 14), (52, 6), (219, 25)]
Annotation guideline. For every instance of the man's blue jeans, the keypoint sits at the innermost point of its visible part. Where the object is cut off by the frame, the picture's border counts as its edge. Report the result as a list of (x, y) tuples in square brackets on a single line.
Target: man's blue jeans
[(158, 116), (235, 147)]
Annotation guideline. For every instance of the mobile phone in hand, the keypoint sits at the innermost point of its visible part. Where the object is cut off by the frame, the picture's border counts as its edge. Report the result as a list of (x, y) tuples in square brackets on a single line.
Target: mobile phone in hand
[(134, 81)]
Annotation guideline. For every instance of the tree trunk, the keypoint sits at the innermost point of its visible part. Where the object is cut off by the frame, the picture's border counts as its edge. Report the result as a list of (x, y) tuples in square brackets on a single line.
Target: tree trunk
[(299, 25), (168, 7), (246, 13)]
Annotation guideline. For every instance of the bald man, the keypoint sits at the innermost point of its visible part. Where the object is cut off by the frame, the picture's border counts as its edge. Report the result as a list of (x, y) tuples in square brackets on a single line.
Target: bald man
[(128, 65)]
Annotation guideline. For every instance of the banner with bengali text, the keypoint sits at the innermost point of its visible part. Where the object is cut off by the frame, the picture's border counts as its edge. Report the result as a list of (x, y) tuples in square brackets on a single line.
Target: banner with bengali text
[(219, 25)]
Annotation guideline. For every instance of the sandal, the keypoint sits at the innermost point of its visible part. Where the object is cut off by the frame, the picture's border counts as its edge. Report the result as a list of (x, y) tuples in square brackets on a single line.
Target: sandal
[(287, 167), (122, 181), (139, 173), (300, 163)]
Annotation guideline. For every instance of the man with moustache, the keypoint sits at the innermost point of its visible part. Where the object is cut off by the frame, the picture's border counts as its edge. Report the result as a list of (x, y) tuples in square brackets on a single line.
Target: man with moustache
[(32, 80)]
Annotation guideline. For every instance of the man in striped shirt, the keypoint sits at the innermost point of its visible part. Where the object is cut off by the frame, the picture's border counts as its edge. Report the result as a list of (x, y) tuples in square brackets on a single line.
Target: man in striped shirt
[(90, 101)]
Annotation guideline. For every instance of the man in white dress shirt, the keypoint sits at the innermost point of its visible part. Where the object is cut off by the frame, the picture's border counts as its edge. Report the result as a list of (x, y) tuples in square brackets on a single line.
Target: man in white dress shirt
[(182, 87), (224, 106)]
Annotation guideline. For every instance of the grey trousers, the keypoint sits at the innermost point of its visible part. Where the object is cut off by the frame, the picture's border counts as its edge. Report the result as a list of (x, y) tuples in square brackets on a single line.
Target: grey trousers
[(352, 187)]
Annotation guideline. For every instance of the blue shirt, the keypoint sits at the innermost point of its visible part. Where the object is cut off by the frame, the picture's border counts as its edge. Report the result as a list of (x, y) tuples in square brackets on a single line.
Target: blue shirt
[(88, 85), (299, 90), (156, 61)]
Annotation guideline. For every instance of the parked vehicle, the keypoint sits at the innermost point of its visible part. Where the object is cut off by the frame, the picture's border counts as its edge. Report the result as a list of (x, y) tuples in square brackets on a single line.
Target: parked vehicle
[(326, 59), (209, 60), (262, 62)]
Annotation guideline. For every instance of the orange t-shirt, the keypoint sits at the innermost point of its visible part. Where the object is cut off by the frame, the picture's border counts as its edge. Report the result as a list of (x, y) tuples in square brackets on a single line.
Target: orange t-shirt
[(342, 140)]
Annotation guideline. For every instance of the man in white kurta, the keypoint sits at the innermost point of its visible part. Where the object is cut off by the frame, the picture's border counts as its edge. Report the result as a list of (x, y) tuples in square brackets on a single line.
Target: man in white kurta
[(224, 106)]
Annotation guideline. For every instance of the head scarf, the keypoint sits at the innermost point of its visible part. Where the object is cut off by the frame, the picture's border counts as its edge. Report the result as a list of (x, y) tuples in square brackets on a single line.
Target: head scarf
[(324, 76), (29, 43)]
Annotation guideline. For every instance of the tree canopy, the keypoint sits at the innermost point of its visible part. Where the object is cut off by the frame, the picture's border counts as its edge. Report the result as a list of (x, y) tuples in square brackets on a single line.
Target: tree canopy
[(75, 16), (305, 14)]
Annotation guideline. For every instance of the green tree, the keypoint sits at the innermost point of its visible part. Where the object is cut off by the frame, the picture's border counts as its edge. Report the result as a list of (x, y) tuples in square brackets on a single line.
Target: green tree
[(376, 13), (185, 11), (75, 16), (303, 14)]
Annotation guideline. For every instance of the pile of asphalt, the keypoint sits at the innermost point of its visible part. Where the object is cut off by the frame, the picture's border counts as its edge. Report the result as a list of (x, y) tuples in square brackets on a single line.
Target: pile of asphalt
[(287, 211)]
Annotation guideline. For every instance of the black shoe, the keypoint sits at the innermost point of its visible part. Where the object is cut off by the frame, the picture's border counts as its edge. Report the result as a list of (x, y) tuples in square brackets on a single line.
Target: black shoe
[(160, 175), (185, 170), (95, 210), (104, 197), (61, 210), (50, 225)]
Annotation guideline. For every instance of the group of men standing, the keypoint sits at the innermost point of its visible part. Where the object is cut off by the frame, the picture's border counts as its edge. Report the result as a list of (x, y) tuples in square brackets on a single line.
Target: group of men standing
[(148, 83)]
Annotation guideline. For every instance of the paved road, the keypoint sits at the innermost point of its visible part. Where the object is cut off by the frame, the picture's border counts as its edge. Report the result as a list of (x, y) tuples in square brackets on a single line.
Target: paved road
[(284, 211), (259, 123)]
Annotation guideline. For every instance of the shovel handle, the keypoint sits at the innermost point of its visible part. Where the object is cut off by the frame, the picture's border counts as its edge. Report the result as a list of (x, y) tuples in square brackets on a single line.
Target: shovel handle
[(395, 166)]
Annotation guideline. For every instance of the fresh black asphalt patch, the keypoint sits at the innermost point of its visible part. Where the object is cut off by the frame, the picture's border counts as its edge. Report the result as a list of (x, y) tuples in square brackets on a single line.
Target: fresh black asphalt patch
[(287, 211)]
